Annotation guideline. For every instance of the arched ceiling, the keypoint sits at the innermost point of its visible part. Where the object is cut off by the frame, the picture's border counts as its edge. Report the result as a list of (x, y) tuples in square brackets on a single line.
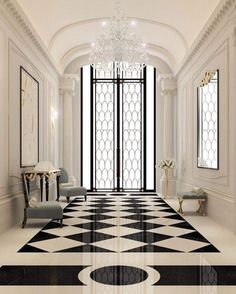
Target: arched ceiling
[(168, 27)]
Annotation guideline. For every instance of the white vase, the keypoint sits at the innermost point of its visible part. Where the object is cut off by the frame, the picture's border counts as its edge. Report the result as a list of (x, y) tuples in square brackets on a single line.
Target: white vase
[(166, 181)]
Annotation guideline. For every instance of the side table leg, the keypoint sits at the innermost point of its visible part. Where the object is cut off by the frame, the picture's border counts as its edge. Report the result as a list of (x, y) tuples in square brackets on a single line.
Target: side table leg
[(41, 188), (58, 191), (47, 188), (28, 185), (199, 209)]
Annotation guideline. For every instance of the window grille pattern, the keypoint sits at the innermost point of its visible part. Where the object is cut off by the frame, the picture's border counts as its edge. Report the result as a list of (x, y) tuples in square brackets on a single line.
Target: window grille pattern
[(132, 135), (104, 120), (208, 124)]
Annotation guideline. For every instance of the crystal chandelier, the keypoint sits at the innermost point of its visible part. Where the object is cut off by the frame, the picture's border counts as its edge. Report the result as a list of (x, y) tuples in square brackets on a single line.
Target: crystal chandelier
[(118, 48)]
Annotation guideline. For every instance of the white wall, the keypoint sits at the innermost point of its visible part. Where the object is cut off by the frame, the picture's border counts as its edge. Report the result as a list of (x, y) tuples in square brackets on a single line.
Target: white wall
[(15, 51), (217, 52)]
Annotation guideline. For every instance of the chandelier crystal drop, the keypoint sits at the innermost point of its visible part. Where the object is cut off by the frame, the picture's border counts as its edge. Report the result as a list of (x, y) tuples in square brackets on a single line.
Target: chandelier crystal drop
[(118, 48)]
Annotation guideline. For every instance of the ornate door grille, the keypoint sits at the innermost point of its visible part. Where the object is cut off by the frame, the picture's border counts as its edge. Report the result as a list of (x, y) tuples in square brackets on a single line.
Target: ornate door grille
[(118, 132)]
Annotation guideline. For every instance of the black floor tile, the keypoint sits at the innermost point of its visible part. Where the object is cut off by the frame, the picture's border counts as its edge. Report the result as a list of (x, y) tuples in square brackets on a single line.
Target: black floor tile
[(151, 248), (41, 236), (137, 210), (40, 275), (119, 275), (53, 225), (97, 217), (94, 226), (147, 237), (144, 226), (175, 216), (208, 248), (90, 237), (139, 217), (183, 225), (30, 249), (98, 210), (85, 248), (196, 236)]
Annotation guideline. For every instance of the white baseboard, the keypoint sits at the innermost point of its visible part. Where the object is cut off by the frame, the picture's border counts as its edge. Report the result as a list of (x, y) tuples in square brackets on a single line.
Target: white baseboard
[(11, 211)]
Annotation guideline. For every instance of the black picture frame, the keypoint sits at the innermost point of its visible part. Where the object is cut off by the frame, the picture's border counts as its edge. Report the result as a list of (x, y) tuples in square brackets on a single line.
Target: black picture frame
[(25, 147), (198, 125)]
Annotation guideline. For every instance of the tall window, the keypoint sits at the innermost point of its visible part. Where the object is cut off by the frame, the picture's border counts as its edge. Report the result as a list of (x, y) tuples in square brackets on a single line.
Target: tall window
[(118, 130), (208, 118)]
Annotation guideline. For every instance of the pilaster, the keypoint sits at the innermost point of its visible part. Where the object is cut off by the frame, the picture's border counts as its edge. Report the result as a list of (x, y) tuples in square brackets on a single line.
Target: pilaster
[(67, 92), (168, 91)]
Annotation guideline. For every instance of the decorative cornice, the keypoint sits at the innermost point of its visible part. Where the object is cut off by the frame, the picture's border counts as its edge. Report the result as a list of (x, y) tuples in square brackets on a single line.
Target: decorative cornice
[(74, 77), (162, 77), (167, 92), (217, 17), (168, 84), (15, 15), (68, 84)]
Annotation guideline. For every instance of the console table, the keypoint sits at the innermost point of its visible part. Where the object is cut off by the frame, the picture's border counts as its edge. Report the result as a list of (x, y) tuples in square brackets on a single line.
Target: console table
[(44, 176)]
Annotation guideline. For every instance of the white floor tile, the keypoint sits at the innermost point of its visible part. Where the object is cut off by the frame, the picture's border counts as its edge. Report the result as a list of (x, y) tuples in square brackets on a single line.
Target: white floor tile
[(171, 231), (119, 244), (56, 244), (181, 244), (65, 231)]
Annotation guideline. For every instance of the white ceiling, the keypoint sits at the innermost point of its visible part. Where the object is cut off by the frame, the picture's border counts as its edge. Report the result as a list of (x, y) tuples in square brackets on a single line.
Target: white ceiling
[(68, 27)]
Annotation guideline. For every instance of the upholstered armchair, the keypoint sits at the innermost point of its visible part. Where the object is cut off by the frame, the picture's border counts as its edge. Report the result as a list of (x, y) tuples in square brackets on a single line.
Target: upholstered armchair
[(40, 210), (67, 189)]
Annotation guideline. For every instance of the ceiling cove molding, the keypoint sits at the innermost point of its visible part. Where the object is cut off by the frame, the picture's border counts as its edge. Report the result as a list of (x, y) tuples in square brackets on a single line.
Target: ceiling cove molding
[(17, 18), (85, 49), (223, 9), (100, 19), (170, 60)]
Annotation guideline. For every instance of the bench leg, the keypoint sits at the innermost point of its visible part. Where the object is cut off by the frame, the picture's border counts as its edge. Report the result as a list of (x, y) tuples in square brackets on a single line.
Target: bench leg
[(201, 209), (180, 210)]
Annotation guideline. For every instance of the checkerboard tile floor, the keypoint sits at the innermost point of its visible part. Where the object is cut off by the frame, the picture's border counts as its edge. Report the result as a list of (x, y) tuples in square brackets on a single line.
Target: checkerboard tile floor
[(119, 223)]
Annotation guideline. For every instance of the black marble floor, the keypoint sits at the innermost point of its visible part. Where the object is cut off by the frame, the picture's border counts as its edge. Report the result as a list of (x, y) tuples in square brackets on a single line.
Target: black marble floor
[(116, 275), (119, 223)]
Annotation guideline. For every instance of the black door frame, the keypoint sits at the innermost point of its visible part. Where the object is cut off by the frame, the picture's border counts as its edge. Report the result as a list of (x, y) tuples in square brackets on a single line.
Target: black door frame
[(119, 81)]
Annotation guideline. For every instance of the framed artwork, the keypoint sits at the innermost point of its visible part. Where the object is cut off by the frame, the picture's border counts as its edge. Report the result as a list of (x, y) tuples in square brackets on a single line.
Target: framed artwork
[(29, 119)]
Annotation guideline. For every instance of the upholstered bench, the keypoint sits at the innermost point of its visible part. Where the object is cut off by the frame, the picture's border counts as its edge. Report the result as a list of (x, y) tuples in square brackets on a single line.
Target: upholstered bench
[(201, 196)]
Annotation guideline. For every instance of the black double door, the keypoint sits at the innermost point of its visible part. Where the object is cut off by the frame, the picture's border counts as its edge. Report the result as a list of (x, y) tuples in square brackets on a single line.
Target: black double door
[(118, 127)]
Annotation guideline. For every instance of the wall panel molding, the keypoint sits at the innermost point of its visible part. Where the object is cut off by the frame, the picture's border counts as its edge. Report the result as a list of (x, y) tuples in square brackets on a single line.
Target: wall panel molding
[(14, 14), (216, 193), (219, 16)]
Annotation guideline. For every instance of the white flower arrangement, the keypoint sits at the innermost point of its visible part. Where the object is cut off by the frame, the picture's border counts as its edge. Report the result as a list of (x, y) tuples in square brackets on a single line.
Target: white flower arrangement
[(167, 164)]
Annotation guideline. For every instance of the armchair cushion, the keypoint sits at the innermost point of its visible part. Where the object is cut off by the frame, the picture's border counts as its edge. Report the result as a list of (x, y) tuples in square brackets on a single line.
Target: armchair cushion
[(72, 191), (50, 209)]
